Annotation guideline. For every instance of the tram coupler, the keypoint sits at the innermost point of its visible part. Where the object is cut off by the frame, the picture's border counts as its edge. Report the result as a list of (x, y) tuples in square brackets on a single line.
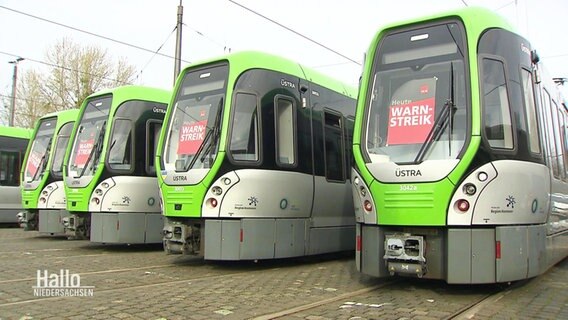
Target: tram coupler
[(404, 254), (77, 227), (28, 220), (180, 238)]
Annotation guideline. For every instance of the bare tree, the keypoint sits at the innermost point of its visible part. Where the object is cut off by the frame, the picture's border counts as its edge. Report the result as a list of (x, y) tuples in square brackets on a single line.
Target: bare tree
[(75, 72), (32, 103)]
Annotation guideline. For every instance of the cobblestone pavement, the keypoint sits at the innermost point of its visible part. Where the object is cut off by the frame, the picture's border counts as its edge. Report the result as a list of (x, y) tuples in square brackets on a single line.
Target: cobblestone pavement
[(142, 282)]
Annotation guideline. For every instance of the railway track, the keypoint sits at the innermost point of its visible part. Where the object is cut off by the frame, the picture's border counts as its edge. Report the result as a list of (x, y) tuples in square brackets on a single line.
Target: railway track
[(125, 288), (139, 284), (345, 305)]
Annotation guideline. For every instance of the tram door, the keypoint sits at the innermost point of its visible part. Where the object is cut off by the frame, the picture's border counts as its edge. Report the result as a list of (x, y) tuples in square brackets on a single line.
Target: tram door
[(331, 159)]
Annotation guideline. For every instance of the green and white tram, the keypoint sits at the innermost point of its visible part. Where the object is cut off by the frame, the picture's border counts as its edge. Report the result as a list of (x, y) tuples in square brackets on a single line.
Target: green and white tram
[(460, 157), (13, 144), (110, 175), (43, 194), (254, 160)]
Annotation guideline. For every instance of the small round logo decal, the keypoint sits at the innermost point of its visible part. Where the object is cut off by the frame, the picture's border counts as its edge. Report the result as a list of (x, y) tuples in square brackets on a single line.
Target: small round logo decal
[(283, 204), (151, 201), (534, 205)]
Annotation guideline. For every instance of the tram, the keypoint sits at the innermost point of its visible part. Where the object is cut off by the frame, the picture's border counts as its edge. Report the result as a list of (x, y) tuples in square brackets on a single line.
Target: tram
[(253, 161), (460, 169), (43, 194), (13, 144), (109, 169)]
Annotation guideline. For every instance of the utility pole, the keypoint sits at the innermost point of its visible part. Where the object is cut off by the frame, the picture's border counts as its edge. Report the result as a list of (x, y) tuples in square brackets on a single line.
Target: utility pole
[(14, 82), (177, 63)]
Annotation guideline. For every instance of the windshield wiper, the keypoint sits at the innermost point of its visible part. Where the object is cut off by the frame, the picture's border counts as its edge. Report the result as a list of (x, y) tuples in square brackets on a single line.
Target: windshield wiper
[(206, 139), (441, 121), (42, 163), (96, 147), (216, 130)]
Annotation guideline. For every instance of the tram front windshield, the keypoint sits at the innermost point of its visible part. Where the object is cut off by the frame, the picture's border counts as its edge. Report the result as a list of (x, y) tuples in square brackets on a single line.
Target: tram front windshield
[(193, 133), (417, 107), (39, 152), (60, 148), (89, 138)]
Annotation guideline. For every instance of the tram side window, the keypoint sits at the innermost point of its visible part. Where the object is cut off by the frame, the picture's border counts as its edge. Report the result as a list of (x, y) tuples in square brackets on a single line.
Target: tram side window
[(120, 153), (285, 133), (530, 109), (153, 128), (558, 154), (334, 147), (349, 159), (549, 111), (244, 142), (9, 168), (562, 134), (496, 111)]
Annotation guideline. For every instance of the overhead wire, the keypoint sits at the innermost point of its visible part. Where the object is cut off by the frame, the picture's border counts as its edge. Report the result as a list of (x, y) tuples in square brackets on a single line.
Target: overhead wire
[(62, 67), (294, 31), (86, 32), (561, 55), (155, 53), (506, 5), (207, 38), (32, 101)]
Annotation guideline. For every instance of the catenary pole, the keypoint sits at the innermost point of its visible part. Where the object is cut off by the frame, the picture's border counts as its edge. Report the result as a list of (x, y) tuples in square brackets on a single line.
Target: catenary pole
[(14, 87), (177, 63)]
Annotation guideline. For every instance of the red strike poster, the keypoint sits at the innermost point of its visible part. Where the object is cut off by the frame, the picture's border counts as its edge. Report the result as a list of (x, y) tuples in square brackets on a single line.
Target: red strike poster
[(191, 135), (83, 151), (33, 163), (412, 112)]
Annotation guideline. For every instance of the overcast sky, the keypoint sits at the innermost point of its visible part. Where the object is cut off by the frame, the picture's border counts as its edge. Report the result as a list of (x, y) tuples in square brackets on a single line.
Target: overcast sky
[(212, 27)]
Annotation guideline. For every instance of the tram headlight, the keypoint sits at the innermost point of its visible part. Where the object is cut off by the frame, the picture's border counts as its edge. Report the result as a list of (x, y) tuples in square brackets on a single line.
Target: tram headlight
[(95, 200), (462, 205), (211, 203), (368, 206), (482, 176), (105, 185), (363, 191), (356, 181), (49, 187), (98, 192), (469, 189), (42, 200), (227, 181), (44, 193), (216, 190)]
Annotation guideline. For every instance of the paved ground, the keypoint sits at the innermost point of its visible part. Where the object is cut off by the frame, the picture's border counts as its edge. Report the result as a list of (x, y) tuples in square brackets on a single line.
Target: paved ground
[(142, 282)]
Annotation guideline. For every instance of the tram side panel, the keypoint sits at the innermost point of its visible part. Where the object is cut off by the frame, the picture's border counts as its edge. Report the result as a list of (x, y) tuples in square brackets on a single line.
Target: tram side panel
[(261, 202), (490, 209)]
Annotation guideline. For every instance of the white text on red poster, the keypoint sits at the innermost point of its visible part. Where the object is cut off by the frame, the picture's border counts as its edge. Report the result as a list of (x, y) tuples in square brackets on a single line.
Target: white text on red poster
[(84, 149), (33, 163), (191, 135), (411, 122)]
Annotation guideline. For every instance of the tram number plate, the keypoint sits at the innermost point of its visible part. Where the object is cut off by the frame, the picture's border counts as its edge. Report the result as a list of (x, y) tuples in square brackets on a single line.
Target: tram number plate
[(408, 187)]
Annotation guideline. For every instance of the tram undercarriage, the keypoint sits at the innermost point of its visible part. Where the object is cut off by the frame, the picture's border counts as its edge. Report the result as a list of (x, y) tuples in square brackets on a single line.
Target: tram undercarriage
[(28, 220), (252, 239), (458, 255), (77, 226)]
